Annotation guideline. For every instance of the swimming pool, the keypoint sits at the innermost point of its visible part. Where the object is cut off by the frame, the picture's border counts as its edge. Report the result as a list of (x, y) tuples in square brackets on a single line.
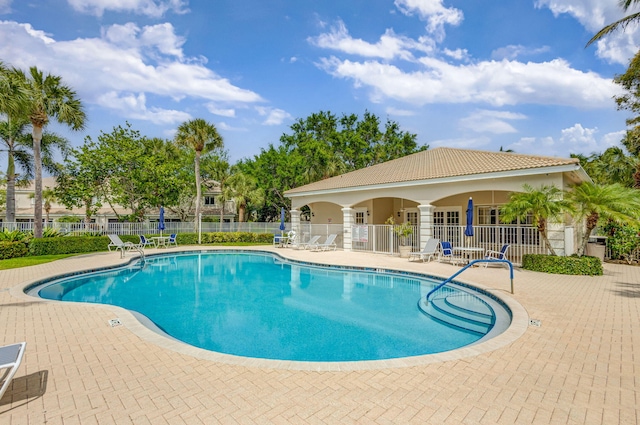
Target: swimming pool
[(259, 305)]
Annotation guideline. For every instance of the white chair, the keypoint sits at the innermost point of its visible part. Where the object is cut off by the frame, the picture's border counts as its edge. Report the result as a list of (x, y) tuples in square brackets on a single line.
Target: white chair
[(173, 239), (144, 242), (496, 255), (429, 251), (10, 358), (117, 243), (327, 244), (311, 242)]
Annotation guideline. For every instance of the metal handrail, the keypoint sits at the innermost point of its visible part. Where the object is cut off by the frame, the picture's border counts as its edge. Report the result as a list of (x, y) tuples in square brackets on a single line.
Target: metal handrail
[(471, 263)]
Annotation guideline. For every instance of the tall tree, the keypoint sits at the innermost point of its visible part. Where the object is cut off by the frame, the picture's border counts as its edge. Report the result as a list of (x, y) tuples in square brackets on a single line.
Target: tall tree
[(244, 191), (544, 204), (595, 203), (200, 136), (620, 24), (46, 97), (17, 141)]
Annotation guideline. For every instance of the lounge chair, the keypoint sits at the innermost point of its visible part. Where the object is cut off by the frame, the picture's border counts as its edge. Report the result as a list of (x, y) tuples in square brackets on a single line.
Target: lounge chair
[(327, 244), (173, 239), (496, 255), (10, 358), (144, 242), (117, 243), (446, 254), (292, 240), (428, 252), (311, 242)]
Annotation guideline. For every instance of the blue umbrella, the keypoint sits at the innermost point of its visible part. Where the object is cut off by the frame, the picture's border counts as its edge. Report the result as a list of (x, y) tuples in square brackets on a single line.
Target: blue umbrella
[(282, 226), (161, 221), (468, 231)]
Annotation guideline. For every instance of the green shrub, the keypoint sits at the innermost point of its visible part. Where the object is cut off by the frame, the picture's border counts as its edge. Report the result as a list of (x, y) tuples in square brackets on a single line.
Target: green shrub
[(13, 250), (69, 245), (622, 240), (585, 265), (224, 237), (14, 236)]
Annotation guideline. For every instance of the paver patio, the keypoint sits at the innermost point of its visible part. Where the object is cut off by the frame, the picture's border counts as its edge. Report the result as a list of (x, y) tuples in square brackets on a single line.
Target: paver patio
[(579, 367)]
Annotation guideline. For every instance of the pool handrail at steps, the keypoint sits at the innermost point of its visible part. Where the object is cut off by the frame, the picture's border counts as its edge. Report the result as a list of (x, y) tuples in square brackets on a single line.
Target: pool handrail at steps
[(471, 263)]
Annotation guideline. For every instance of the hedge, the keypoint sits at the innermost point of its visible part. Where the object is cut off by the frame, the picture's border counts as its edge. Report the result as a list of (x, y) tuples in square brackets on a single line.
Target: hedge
[(13, 250), (80, 244), (585, 265)]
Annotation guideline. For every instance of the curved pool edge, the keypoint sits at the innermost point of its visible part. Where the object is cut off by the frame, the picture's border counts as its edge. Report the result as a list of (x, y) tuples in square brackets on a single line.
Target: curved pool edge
[(130, 320)]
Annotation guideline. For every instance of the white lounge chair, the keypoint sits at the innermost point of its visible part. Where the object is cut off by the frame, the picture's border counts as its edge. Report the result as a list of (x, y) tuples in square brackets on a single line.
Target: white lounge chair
[(327, 244), (117, 243), (429, 251), (10, 358), (311, 242)]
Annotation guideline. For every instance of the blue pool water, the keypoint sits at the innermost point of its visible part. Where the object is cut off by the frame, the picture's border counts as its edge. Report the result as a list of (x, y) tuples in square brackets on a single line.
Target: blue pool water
[(258, 305)]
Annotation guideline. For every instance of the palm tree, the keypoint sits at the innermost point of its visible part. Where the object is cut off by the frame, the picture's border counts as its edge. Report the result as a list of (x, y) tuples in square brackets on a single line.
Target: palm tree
[(595, 202), (46, 97), (243, 190), (17, 141), (620, 24), (200, 136), (49, 196), (543, 204)]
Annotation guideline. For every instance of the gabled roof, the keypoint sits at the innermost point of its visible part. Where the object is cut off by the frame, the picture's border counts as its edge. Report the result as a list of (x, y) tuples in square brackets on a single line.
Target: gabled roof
[(435, 163)]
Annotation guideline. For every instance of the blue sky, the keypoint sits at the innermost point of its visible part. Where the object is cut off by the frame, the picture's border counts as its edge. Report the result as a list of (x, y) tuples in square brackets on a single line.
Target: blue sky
[(460, 73)]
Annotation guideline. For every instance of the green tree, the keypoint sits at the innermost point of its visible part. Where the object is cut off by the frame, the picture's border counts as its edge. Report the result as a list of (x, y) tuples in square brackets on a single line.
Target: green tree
[(17, 143), (543, 204), (244, 191), (322, 146), (200, 136), (48, 196), (620, 24), (46, 97), (596, 204)]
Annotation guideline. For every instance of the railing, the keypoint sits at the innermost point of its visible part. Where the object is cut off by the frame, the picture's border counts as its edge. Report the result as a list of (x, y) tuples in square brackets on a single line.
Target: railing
[(471, 263), (307, 230), (381, 238)]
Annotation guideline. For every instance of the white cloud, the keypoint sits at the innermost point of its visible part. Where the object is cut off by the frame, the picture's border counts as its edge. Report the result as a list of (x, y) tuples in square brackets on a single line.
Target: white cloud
[(5, 6), (134, 106), (224, 126), (576, 139), (457, 54), (151, 8), (274, 116), (223, 112), (390, 45), (126, 59), (432, 11), (400, 112), (490, 82), (484, 121), (512, 52), (617, 47)]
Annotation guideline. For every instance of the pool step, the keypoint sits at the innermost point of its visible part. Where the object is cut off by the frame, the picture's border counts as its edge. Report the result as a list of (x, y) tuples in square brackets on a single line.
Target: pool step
[(461, 310)]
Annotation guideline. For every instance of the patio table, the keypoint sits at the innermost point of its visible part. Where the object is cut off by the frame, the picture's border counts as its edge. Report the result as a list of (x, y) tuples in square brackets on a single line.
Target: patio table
[(470, 252), (160, 241)]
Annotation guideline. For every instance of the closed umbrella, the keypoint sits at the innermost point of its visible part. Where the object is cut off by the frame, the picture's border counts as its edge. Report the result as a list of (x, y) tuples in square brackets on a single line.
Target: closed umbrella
[(468, 231), (282, 226), (161, 221)]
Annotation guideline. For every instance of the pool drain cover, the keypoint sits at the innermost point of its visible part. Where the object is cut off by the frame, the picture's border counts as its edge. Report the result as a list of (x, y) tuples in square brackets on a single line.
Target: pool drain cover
[(535, 322), (115, 322)]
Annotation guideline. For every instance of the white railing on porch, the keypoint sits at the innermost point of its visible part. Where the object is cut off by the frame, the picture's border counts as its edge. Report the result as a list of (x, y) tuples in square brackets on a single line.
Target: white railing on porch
[(522, 240)]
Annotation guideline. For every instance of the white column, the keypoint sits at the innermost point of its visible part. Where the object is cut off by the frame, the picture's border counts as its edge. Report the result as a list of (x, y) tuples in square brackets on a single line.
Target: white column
[(295, 220), (347, 220), (426, 222)]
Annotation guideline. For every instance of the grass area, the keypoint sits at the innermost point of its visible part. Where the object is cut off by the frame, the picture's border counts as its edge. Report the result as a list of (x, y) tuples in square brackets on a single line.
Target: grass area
[(14, 263)]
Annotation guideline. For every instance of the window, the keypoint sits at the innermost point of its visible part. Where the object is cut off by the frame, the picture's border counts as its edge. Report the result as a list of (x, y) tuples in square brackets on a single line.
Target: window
[(210, 201), (360, 216), (412, 218)]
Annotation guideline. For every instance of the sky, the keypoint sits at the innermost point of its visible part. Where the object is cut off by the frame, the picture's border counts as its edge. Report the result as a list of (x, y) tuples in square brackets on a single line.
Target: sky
[(458, 73)]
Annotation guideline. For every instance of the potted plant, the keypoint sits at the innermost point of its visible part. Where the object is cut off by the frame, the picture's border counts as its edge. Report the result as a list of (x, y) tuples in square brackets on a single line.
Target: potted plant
[(403, 232)]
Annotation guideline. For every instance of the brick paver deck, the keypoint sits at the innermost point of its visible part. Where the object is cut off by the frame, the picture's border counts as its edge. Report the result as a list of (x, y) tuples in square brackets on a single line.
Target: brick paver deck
[(580, 366)]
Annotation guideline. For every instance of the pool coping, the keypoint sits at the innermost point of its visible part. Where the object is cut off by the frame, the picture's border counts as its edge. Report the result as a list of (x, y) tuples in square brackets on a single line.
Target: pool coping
[(130, 320)]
